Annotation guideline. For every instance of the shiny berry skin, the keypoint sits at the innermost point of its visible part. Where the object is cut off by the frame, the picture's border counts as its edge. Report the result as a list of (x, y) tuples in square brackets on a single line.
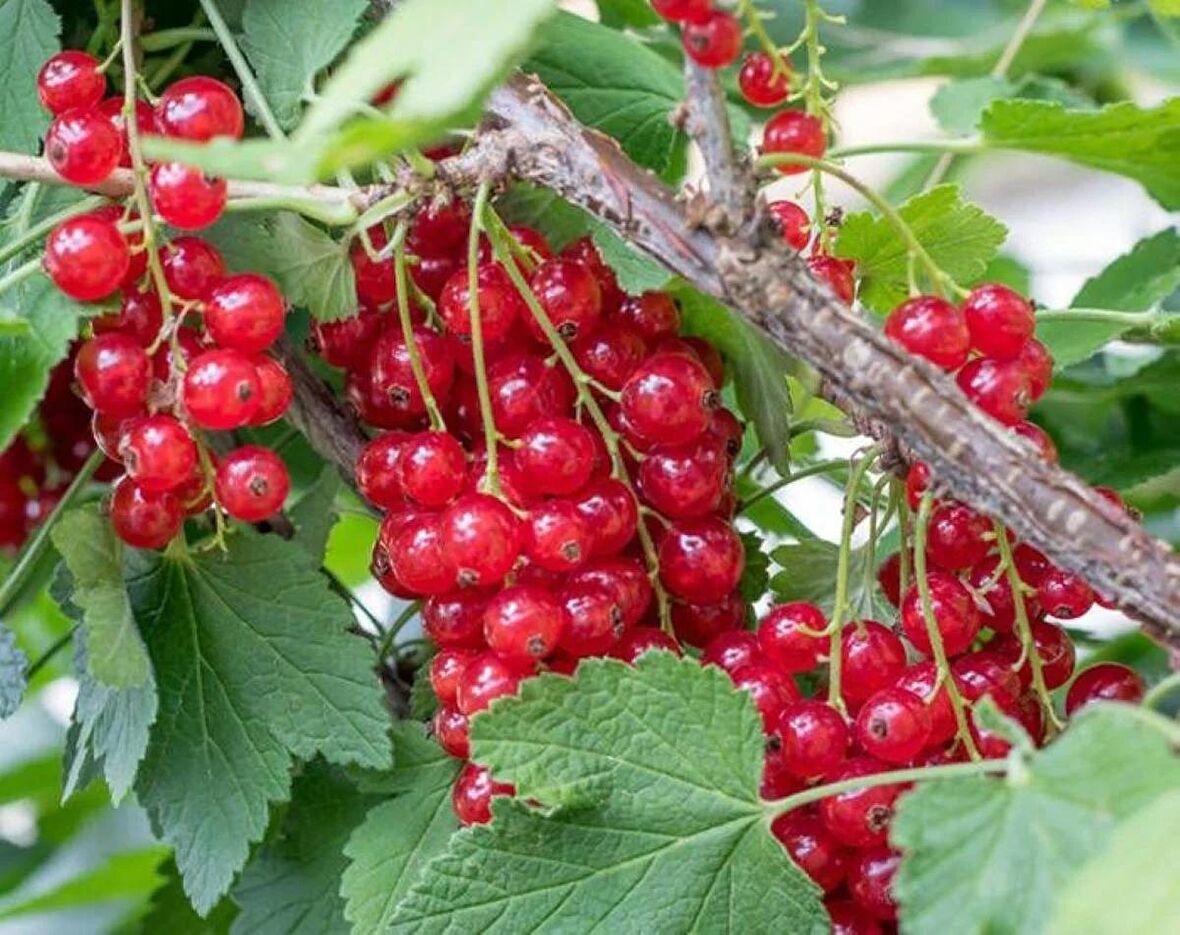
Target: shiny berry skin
[(570, 297), (431, 468), (86, 257), (610, 354), (999, 388), (471, 797), (957, 537), (452, 730), (699, 624), (481, 539), (793, 131), (1064, 595), (145, 122), (792, 221), (627, 581), (872, 657), (930, 327), (986, 674), (455, 619), (417, 556), (783, 640), (108, 432), (158, 453), (251, 483), (999, 319), (669, 399), (221, 390), (140, 316), (592, 619), (870, 878), (70, 79), (814, 738), (245, 312), (557, 537), (919, 680), (701, 560), (954, 612), (889, 578), (771, 689), (347, 342), (715, 41), (114, 374), (523, 622), (893, 725), (811, 847), (185, 197), (192, 266), (393, 376), (1037, 364), (684, 481), (486, 678), (682, 11), (440, 229), (764, 82), (446, 668), (1105, 681), (611, 513), (500, 306), (996, 592), (523, 389), (860, 818), (376, 283), (1056, 652), (376, 471), (643, 640), (837, 273), (556, 456), (848, 918), (142, 519), (82, 146), (731, 651), (275, 390), (1039, 438), (654, 315), (1031, 564), (200, 108)]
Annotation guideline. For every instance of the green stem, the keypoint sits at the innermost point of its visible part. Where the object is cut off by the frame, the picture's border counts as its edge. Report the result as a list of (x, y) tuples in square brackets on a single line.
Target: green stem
[(378, 212), (958, 147), (749, 12), (241, 67), (822, 467), (58, 645), (408, 613), (1161, 691), (165, 69), (36, 546), (403, 314), (490, 435), (840, 428), (1114, 316), (164, 39), (18, 275), (1021, 33), (332, 213)]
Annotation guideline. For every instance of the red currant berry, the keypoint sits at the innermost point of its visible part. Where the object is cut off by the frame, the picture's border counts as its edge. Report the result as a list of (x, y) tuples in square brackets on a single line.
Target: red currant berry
[(814, 738), (1064, 595), (245, 312), (486, 678), (765, 80), (185, 197), (500, 305), (793, 131), (431, 468), (930, 327), (793, 221), (114, 374), (784, 640), (610, 512), (523, 389), (472, 795), (592, 619), (1039, 438), (715, 41), (584, 251), (158, 452), (455, 619), (446, 670), (992, 587), (275, 390), (145, 122), (848, 918), (523, 622), (556, 456), (920, 680), (376, 471), (957, 536), (811, 847), (610, 354), (669, 398), (440, 229), (570, 297), (870, 881), (726, 427), (140, 316), (221, 390), (771, 689), (1105, 681), (685, 481), (199, 108), (1031, 564), (999, 388), (643, 640), (192, 266), (557, 537), (889, 578), (627, 581), (417, 555), (376, 283), (86, 257), (917, 482), (1055, 650), (1037, 364), (452, 730), (872, 657), (481, 539), (143, 519), (699, 624), (251, 483), (347, 342), (731, 651), (654, 315), (393, 375), (1000, 321), (954, 611), (82, 146), (432, 273), (683, 11), (108, 431), (701, 560), (860, 818), (70, 79), (776, 782), (837, 273), (893, 725)]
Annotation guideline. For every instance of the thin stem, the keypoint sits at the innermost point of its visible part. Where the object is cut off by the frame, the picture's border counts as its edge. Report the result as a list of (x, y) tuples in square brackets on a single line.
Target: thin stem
[(164, 39), (164, 70), (958, 147), (749, 12), (333, 213), (822, 467), (490, 435), (1130, 319), (932, 632), (40, 540), (408, 613), (407, 325), (58, 645), (1022, 31), (242, 69), (378, 212), (903, 525)]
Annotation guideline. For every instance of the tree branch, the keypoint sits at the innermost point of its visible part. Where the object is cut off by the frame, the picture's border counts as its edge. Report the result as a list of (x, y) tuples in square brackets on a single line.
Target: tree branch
[(707, 122)]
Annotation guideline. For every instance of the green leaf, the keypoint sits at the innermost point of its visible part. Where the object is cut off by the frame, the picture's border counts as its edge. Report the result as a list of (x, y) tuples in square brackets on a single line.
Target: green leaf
[(30, 28), (289, 41), (960, 237), (1139, 143), (987, 855), (658, 765), (756, 573), (551, 214), (170, 910), (957, 105), (616, 85), (635, 271), (423, 700), (27, 358), (1125, 887), (399, 837), (13, 665), (1009, 271), (619, 13), (759, 368), (123, 876), (94, 555), (291, 885), (315, 514), (1165, 7), (254, 668), (310, 267), (809, 574)]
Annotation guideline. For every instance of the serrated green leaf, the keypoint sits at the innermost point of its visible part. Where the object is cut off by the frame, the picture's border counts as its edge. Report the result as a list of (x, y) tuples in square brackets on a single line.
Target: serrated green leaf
[(1125, 887), (30, 28), (13, 665), (957, 105), (170, 910), (634, 270), (254, 668), (315, 514), (1139, 143), (92, 552), (289, 41), (960, 237), (674, 839), (123, 876), (756, 573), (809, 574), (292, 884), (423, 700), (310, 267), (986, 855), (399, 837)]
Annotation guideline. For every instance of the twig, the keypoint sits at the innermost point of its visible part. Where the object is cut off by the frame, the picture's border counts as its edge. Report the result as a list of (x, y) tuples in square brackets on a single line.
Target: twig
[(730, 183)]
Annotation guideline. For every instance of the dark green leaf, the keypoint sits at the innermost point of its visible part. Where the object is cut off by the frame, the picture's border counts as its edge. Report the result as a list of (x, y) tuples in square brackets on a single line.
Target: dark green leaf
[(809, 574), (30, 29), (170, 910), (1144, 276), (13, 665), (756, 574), (315, 514)]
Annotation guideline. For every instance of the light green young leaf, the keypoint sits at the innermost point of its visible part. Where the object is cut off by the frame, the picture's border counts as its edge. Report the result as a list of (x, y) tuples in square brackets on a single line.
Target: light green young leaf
[(957, 105), (399, 837), (635, 271), (30, 29), (1140, 143), (673, 838), (960, 237), (289, 41), (128, 875), (254, 668), (808, 573), (94, 556), (989, 855), (620, 13), (13, 665)]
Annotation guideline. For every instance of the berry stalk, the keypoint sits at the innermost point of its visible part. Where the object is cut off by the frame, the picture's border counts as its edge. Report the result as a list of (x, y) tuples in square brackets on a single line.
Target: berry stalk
[(491, 436), (403, 315)]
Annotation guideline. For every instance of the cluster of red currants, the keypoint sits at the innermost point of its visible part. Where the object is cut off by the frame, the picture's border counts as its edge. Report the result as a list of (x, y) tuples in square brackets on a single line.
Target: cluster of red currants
[(156, 376)]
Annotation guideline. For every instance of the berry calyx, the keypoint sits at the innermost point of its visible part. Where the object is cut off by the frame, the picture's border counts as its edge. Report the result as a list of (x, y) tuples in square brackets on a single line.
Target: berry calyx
[(556, 537)]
